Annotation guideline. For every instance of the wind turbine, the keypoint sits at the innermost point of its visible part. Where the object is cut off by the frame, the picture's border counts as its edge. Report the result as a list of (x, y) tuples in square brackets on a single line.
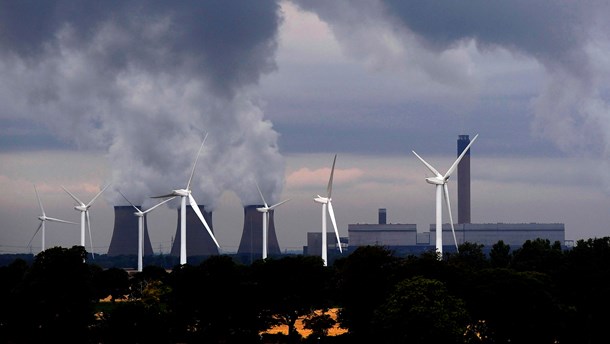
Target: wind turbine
[(43, 218), (84, 215), (327, 203), (184, 194), (140, 214), (441, 187), (265, 210)]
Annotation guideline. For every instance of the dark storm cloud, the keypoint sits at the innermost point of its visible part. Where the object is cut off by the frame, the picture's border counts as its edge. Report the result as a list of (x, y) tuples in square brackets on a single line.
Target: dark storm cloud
[(229, 42), (569, 109), (143, 80), (551, 31)]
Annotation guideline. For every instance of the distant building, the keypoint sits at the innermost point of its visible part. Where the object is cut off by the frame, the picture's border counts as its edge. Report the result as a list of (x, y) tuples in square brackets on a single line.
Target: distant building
[(488, 234), (314, 243), (382, 235)]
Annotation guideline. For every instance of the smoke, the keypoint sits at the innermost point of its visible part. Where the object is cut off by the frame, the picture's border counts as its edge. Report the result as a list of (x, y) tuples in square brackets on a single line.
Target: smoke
[(145, 81), (570, 110)]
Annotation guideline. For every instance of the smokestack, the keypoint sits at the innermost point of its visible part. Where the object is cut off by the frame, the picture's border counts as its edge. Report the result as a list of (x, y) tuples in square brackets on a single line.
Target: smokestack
[(252, 236), (463, 180), (382, 216), (198, 240), (125, 234)]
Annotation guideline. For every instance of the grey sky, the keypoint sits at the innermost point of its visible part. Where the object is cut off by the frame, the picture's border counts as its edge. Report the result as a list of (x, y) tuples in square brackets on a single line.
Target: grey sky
[(132, 86)]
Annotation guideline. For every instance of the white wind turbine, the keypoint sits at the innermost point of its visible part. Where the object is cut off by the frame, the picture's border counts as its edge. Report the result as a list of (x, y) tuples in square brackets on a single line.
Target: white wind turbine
[(184, 194), (265, 210), (43, 218), (140, 214), (441, 186), (84, 215), (327, 203)]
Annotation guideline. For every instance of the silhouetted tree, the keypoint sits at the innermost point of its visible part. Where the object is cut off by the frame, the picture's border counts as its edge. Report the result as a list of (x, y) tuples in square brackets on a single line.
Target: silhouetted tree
[(420, 310), (56, 298), (520, 307), (499, 256), (365, 278), (291, 287), (470, 256), (538, 255)]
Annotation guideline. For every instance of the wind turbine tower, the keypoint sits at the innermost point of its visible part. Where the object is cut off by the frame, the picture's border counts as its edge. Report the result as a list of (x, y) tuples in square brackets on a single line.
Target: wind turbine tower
[(84, 215), (44, 218), (440, 181), (184, 195), (327, 205)]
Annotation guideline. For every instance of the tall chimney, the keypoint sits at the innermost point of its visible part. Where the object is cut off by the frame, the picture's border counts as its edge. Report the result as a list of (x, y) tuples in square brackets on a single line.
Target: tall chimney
[(125, 234), (463, 180), (251, 243), (382, 216), (198, 240)]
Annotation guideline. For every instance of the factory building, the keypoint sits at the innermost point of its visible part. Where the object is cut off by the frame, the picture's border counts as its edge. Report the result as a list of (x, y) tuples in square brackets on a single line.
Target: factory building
[(251, 243), (198, 240), (488, 234), (125, 233)]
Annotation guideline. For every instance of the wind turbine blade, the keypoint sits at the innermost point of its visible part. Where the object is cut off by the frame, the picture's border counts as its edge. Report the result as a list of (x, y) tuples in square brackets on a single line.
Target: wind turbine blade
[(136, 208), (74, 197), (432, 169), (164, 196), (200, 215), (260, 193), (62, 221), (329, 188), (457, 161), (332, 219), (278, 204), (188, 185), (37, 230), (90, 239), (98, 194), (39, 202), (446, 189), (150, 209)]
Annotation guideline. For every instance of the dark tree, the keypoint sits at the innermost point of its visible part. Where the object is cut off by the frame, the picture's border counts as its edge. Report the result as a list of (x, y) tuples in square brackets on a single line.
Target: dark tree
[(520, 307), (499, 256), (538, 255), (291, 287), (470, 256), (213, 302), (365, 278), (56, 298), (421, 310)]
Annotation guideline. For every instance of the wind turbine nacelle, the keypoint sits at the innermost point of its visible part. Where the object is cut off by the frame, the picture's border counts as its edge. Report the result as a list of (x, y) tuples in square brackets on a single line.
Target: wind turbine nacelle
[(321, 200), (139, 214), (262, 210), (436, 181), (181, 192), (81, 207)]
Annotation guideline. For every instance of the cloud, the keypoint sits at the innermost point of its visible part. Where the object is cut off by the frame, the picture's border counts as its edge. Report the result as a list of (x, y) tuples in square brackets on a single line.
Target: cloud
[(144, 81)]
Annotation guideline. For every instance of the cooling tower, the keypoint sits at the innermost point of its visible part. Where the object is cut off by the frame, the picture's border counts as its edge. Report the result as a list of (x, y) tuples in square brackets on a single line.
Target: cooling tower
[(125, 234), (198, 240), (463, 180), (251, 243)]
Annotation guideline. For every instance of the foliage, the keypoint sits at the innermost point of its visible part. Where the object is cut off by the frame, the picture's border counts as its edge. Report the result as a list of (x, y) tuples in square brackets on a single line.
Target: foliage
[(420, 310), (538, 294)]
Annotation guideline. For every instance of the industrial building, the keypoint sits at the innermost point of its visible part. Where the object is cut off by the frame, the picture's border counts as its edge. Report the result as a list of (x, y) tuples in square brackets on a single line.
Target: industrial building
[(251, 243), (125, 233), (198, 240)]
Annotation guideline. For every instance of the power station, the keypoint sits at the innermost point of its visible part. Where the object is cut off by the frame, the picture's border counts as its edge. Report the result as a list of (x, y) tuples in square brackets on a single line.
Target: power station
[(125, 233), (251, 243), (199, 242)]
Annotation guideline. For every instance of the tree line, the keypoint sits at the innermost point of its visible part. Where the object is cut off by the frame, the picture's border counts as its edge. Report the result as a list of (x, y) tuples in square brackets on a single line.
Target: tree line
[(538, 293)]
